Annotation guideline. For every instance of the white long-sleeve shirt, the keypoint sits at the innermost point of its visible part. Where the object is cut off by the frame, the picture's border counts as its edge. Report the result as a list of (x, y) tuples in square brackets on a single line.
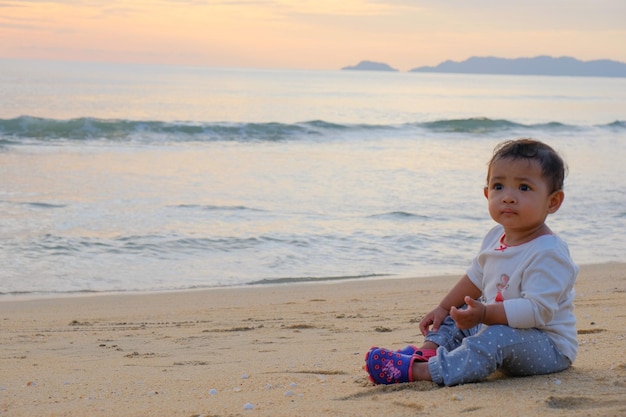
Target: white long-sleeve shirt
[(535, 281)]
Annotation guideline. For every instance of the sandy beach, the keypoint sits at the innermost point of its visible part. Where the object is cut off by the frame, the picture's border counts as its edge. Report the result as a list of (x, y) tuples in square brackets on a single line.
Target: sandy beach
[(283, 350)]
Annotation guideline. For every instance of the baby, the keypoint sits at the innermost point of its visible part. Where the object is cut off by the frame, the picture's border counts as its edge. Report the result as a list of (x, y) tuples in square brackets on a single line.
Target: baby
[(513, 309)]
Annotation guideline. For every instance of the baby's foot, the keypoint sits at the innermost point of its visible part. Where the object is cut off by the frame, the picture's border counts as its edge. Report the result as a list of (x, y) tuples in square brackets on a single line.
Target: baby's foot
[(422, 354), (388, 367)]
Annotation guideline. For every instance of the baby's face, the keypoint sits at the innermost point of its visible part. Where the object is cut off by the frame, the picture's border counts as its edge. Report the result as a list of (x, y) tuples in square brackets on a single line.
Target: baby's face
[(518, 195)]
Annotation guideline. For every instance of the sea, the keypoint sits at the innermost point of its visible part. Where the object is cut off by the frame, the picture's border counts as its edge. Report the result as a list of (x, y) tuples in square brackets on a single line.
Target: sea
[(134, 178)]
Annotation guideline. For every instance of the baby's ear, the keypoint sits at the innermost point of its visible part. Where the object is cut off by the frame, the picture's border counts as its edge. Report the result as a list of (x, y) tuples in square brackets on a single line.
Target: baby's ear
[(556, 199), (486, 192)]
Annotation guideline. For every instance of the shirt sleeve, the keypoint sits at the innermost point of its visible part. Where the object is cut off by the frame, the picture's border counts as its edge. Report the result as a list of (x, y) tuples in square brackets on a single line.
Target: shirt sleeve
[(547, 281)]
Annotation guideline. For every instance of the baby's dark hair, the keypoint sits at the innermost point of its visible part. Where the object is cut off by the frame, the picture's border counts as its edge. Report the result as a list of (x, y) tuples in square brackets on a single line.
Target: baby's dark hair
[(553, 168)]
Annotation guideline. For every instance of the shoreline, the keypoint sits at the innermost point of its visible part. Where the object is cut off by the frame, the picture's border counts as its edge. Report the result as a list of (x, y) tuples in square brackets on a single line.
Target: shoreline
[(281, 350), (278, 282), (28, 296)]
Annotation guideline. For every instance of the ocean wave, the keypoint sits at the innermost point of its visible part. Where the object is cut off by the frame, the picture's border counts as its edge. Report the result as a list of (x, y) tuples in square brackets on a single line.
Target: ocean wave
[(39, 205), (618, 124), (28, 129), (160, 246), (398, 215), (216, 208), (293, 280), (485, 125)]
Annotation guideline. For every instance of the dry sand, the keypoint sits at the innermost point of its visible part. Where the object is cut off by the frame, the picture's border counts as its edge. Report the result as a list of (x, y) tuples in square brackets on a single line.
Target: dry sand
[(286, 350)]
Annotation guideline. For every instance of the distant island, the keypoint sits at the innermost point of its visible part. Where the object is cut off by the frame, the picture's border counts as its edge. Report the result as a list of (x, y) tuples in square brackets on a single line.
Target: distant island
[(369, 66), (540, 65)]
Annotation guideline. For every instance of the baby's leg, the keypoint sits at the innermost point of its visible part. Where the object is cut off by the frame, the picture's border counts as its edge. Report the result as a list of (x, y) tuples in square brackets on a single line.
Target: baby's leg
[(516, 351)]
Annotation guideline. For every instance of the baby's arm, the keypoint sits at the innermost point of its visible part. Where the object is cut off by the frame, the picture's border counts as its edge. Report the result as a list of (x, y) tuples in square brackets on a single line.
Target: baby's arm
[(454, 298), (477, 313)]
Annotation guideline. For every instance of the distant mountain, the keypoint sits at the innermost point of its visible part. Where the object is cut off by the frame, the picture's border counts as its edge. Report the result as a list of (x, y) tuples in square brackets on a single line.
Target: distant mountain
[(370, 66), (541, 65)]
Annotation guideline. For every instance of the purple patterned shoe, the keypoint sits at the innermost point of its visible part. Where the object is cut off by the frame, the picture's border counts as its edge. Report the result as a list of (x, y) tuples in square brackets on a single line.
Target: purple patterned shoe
[(422, 354), (388, 367), (409, 350)]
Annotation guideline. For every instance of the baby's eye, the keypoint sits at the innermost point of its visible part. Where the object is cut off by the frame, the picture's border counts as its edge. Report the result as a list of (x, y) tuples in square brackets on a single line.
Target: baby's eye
[(524, 187), (497, 186)]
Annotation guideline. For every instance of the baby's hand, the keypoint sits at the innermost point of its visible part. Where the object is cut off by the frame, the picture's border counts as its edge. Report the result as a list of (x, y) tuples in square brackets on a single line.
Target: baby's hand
[(434, 319), (470, 317)]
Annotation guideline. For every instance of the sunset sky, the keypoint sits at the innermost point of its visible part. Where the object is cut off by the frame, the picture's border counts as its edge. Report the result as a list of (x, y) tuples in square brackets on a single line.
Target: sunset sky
[(310, 34)]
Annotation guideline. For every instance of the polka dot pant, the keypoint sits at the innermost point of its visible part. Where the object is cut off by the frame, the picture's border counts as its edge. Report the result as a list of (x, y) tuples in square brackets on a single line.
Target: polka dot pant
[(472, 355)]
